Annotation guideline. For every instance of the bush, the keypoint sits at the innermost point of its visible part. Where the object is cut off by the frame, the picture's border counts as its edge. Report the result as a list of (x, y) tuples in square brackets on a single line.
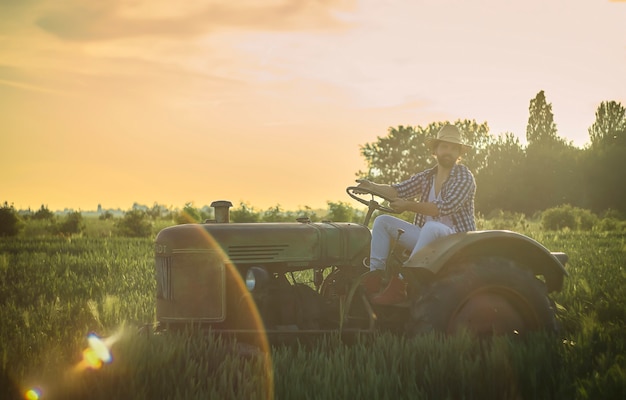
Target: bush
[(568, 217), (245, 213), (307, 212), (557, 218), (99, 227), (135, 223), (39, 228), (72, 225), (10, 223), (43, 214), (339, 212), (106, 215), (586, 219), (610, 225), (188, 215), (610, 213), (277, 214), (509, 220)]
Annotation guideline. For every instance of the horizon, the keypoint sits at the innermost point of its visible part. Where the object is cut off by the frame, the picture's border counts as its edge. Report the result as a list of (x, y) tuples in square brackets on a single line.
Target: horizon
[(147, 206)]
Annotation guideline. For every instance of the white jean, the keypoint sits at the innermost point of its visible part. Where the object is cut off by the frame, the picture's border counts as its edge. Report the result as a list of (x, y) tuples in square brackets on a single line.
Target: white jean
[(414, 238)]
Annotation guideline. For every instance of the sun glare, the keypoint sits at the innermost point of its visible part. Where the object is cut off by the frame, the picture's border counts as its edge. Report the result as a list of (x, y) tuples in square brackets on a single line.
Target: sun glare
[(96, 354), (32, 394), (99, 348)]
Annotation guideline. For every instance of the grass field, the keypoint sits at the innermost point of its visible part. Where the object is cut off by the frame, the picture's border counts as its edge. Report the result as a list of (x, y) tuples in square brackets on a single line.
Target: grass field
[(54, 291)]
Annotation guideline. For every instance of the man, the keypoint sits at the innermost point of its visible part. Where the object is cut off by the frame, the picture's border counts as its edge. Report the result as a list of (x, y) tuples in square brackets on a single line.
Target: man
[(446, 205)]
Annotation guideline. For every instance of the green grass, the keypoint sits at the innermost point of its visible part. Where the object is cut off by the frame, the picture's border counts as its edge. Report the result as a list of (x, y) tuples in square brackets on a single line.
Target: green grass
[(53, 291)]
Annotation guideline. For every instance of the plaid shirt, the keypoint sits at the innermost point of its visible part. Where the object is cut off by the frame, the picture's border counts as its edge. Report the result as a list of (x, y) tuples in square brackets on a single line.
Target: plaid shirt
[(456, 200)]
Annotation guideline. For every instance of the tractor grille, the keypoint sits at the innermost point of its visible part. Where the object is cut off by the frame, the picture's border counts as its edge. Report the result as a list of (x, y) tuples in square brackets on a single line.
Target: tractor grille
[(256, 252), (164, 277), (191, 285)]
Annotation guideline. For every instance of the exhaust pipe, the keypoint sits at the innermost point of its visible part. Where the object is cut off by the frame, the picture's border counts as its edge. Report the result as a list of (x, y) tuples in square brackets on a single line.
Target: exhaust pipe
[(222, 212)]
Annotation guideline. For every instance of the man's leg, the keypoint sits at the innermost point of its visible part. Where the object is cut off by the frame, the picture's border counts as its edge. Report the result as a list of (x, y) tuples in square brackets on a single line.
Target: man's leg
[(395, 292), (430, 231), (384, 232)]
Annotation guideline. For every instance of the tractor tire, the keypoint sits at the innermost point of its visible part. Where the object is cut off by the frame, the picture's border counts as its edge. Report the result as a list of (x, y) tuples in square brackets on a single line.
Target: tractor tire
[(487, 296)]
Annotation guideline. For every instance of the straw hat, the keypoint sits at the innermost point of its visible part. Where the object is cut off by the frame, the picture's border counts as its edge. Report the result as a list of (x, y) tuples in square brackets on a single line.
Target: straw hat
[(449, 133)]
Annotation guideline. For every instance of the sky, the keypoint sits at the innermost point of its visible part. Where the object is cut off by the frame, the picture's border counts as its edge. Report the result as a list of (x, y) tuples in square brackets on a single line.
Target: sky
[(267, 102)]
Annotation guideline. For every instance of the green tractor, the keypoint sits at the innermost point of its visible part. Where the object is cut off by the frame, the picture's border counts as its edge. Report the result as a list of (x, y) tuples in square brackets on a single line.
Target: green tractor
[(301, 278)]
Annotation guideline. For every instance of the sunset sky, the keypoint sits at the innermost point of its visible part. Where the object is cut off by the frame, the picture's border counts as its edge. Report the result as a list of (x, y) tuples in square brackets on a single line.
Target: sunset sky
[(267, 101)]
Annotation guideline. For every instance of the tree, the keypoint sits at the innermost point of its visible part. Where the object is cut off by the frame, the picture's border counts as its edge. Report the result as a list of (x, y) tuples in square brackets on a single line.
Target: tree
[(395, 157), (605, 159), (609, 128), (403, 152), (550, 168), (10, 223), (541, 129), (498, 183)]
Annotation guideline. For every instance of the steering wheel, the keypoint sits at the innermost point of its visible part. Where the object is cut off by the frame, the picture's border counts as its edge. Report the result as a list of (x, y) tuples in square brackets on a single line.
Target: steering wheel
[(372, 202)]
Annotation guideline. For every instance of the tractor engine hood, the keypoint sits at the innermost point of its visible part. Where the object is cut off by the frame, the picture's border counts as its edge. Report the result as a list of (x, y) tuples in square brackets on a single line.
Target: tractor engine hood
[(298, 244)]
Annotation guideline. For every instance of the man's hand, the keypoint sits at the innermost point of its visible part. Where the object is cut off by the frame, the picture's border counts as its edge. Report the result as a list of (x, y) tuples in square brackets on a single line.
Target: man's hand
[(401, 205), (366, 185)]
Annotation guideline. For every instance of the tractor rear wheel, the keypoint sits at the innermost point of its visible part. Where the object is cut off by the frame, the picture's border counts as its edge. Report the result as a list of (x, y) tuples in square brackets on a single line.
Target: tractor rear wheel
[(486, 296)]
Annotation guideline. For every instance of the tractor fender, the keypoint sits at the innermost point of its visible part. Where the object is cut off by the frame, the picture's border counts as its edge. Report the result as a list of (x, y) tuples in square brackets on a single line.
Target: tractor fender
[(523, 250)]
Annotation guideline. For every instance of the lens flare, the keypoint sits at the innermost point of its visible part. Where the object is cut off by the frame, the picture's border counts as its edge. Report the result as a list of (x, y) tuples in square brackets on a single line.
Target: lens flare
[(32, 394), (91, 359), (99, 347), (97, 353)]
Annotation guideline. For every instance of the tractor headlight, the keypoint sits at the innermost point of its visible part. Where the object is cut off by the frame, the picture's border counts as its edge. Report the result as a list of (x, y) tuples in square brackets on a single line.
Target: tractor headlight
[(256, 278)]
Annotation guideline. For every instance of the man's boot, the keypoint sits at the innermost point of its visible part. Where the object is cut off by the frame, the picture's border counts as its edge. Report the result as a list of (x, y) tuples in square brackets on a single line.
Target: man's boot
[(372, 282), (394, 293)]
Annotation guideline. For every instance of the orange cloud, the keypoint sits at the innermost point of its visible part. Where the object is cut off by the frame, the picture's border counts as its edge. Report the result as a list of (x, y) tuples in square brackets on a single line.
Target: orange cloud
[(81, 20)]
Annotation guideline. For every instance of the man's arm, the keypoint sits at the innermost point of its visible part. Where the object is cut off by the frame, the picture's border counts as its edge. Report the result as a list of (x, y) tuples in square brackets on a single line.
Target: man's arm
[(386, 191), (397, 203), (424, 208)]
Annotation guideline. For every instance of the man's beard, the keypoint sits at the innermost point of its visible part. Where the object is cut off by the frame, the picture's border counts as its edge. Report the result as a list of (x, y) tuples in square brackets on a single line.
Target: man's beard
[(446, 161)]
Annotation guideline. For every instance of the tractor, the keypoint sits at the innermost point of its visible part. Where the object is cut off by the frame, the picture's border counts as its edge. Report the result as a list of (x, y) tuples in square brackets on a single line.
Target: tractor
[(302, 277)]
